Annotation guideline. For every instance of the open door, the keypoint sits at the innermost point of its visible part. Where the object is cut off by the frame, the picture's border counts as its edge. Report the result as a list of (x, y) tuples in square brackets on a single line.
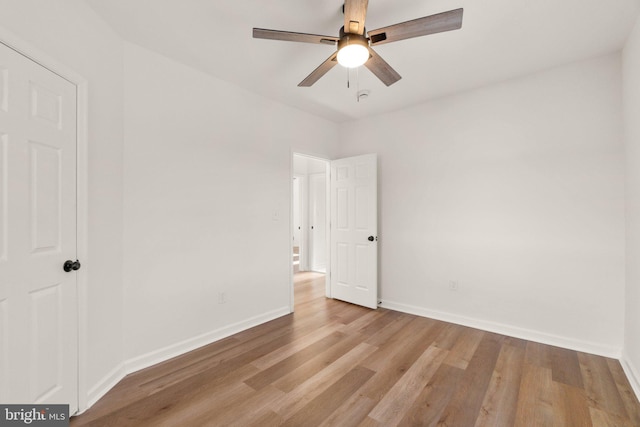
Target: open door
[(354, 225)]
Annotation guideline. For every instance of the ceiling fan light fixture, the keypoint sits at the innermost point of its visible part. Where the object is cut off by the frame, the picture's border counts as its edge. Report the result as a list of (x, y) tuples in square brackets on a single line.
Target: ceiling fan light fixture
[(353, 51), (356, 44)]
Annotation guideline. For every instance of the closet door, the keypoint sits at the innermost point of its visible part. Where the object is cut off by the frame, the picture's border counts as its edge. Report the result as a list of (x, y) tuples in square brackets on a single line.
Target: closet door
[(38, 299)]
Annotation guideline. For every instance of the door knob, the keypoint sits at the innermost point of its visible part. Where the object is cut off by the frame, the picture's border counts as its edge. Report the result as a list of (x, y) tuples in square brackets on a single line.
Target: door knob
[(371, 238), (71, 265)]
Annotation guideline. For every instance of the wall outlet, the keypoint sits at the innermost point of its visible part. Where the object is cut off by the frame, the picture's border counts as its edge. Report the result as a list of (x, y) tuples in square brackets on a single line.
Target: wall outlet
[(222, 297), (453, 285)]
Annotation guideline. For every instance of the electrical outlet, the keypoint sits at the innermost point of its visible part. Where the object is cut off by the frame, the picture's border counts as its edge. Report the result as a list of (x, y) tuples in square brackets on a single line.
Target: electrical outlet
[(453, 285), (222, 297)]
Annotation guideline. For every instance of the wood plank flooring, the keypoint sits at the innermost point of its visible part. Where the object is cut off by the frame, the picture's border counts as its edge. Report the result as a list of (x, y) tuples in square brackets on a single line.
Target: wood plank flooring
[(335, 364)]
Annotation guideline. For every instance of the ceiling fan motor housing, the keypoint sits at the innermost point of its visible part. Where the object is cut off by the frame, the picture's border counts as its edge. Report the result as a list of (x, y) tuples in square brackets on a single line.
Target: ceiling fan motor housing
[(349, 39)]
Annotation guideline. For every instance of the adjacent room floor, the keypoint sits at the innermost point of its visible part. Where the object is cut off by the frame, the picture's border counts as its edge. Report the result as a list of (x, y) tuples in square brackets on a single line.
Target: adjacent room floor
[(335, 364)]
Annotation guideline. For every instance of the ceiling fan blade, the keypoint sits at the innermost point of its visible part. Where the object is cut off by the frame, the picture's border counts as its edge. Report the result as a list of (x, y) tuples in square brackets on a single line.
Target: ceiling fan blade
[(355, 13), (320, 71), (439, 23), (381, 69), (261, 33)]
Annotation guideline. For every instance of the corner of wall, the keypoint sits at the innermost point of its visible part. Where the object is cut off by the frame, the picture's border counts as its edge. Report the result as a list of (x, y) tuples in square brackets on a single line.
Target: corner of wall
[(160, 355), (633, 375), (103, 386)]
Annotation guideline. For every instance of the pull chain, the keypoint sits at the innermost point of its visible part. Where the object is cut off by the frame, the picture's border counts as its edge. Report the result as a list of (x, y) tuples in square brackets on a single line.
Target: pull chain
[(358, 84)]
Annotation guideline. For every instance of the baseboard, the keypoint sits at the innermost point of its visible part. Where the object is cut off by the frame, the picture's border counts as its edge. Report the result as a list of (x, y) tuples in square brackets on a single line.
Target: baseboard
[(104, 385), (503, 329), (632, 374), (144, 361), (166, 353)]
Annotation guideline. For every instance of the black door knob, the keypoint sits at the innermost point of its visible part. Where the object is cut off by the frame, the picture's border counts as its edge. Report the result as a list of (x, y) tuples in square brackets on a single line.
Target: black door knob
[(71, 265), (371, 238)]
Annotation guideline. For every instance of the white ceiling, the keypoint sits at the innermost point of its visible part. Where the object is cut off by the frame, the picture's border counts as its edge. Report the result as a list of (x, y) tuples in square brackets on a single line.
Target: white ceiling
[(499, 40)]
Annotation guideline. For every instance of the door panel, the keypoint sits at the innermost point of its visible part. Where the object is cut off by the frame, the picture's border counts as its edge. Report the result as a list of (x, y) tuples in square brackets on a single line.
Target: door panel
[(45, 337), (362, 214), (38, 301), (354, 258), (341, 265), (44, 197), (46, 106), (342, 208), (362, 271)]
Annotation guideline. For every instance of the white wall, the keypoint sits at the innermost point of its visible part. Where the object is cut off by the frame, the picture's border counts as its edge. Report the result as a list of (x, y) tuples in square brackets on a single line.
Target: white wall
[(207, 205), (631, 84), (516, 192), (71, 34)]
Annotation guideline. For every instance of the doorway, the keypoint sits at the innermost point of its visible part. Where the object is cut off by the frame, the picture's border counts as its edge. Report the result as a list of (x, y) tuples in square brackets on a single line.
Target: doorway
[(309, 215), (349, 228)]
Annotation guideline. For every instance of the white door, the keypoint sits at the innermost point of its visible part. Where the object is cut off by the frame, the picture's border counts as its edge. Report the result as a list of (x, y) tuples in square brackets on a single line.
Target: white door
[(318, 220), (354, 224), (38, 302)]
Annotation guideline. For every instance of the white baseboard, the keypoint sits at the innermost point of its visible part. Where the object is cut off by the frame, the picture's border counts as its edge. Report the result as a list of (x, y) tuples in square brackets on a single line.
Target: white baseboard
[(512, 331), (144, 361), (633, 375), (163, 354), (104, 385), (173, 350)]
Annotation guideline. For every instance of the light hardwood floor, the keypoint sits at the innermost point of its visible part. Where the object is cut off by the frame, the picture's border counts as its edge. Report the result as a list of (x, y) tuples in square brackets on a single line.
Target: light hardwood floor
[(335, 364)]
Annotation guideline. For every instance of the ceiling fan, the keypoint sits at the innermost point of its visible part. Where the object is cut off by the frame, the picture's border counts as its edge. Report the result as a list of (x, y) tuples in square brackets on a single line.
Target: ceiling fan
[(355, 43)]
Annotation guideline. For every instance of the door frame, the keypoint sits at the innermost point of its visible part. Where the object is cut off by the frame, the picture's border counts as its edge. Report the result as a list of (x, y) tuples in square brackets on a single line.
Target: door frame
[(26, 49), (327, 280)]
